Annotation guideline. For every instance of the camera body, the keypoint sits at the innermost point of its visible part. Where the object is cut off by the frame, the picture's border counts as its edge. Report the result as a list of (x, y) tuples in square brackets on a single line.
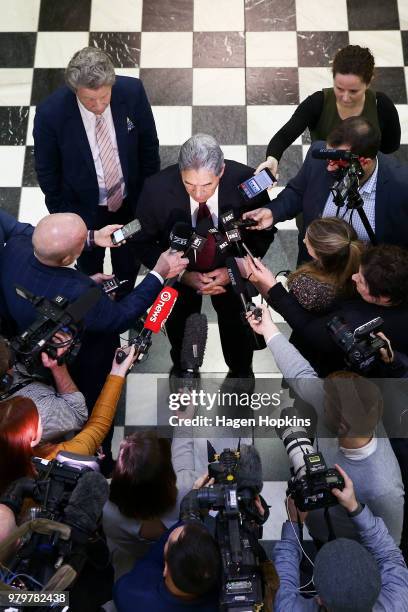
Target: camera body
[(362, 346)]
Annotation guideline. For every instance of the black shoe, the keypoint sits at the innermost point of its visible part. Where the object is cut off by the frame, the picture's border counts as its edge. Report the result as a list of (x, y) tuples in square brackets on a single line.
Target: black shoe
[(183, 379), (238, 382)]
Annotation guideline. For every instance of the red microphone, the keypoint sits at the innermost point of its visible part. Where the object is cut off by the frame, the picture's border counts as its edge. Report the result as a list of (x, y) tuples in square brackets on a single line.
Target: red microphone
[(157, 317)]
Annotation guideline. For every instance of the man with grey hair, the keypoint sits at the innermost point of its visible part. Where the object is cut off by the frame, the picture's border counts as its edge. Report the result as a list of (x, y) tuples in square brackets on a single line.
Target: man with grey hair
[(197, 191), (95, 143)]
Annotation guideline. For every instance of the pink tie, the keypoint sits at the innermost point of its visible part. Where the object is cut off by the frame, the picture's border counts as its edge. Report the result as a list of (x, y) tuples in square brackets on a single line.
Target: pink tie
[(109, 165)]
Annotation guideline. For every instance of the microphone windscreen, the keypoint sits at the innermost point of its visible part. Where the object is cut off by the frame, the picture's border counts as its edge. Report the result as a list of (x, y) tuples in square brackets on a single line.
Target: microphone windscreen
[(84, 507), (194, 342), (235, 276), (78, 309), (333, 154), (249, 469), (180, 236)]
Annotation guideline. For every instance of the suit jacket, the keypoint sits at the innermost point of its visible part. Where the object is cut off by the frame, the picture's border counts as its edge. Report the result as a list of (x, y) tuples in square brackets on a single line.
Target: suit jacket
[(308, 191), (164, 201), (19, 265), (63, 159), (9, 226)]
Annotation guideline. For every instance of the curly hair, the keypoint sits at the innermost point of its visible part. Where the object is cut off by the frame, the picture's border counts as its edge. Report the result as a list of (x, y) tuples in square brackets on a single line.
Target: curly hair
[(354, 59)]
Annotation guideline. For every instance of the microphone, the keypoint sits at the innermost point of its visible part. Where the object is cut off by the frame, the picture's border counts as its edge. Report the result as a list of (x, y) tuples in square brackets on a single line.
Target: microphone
[(334, 154), (249, 470), (85, 505), (179, 237), (239, 288), (156, 318), (194, 343)]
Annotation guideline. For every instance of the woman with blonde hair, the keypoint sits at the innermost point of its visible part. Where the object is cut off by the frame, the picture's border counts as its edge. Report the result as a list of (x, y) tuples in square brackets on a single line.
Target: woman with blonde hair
[(335, 250)]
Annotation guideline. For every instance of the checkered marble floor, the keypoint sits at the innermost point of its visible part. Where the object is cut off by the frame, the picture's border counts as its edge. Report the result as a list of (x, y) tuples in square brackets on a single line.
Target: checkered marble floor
[(233, 68)]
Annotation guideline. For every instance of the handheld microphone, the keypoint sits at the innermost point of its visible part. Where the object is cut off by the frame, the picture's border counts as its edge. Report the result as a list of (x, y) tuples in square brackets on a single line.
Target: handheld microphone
[(179, 237), (194, 343), (334, 154), (156, 318), (239, 288)]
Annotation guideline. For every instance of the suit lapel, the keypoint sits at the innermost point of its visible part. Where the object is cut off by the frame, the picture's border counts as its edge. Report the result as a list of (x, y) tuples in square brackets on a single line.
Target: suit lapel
[(76, 131), (118, 108)]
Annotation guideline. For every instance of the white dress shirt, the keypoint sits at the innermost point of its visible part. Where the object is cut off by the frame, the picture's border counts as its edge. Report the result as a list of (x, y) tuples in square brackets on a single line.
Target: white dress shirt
[(212, 204)]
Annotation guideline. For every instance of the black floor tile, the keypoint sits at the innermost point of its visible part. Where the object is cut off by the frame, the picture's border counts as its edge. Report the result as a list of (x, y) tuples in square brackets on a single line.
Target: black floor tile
[(272, 86), (226, 123), (391, 80), (10, 200), (167, 16), (29, 174), (45, 82), (218, 50), (17, 49), (168, 155), (269, 16), (319, 48), (65, 15), (373, 15), (168, 86), (13, 125)]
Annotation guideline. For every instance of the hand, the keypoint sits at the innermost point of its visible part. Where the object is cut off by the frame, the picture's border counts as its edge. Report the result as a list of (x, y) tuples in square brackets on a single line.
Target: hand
[(295, 515), (199, 281), (346, 497), (270, 163), (265, 326), (100, 278), (263, 216), (386, 356), (170, 264), (103, 237), (259, 275), (59, 338), (121, 369), (203, 481), (215, 282)]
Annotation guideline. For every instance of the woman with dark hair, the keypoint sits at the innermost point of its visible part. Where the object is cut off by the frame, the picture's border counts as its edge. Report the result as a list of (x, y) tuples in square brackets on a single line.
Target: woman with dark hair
[(335, 250), (143, 498), (351, 95), (21, 428)]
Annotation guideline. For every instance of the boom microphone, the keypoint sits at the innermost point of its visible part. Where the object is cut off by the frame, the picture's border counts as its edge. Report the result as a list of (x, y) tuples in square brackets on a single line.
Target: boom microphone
[(85, 505), (194, 342), (249, 470), (334, 154)]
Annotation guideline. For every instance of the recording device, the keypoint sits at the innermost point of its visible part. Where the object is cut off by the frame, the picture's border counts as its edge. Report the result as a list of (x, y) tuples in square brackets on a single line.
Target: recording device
[(345, 189), (228, 219), (52, 316), (239, 288), (238, 480), (194, 343), (233, 236), (70, 497), (112, 284), (158, 315), (257, 184), (183, 239), (362, 346), (126, 232), (312, 481)]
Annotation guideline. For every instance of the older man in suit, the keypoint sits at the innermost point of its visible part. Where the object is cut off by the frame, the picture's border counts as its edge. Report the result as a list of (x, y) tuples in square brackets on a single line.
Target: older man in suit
[(95, 143), (383, 188), (197, 191)]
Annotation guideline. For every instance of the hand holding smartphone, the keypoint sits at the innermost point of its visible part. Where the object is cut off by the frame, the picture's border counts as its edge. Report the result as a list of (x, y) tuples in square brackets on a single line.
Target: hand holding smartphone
[(127, 231)]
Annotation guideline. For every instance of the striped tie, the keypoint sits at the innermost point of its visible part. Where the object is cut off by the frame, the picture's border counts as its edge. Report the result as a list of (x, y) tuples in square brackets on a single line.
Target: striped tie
[(109, 165)]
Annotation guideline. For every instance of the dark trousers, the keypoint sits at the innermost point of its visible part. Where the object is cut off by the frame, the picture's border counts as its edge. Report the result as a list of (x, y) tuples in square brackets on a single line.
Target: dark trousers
[(237, 339), (124, 263)]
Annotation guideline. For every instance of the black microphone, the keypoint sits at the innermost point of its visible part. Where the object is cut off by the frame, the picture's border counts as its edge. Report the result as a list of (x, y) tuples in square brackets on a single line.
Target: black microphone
[(249, 470), (333, 154), (85, 505), (179, 237), (239, 288), (194, 343)]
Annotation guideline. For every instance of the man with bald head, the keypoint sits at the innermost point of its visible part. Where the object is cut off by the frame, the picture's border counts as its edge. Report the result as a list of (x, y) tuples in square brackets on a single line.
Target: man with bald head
[(59, 239)]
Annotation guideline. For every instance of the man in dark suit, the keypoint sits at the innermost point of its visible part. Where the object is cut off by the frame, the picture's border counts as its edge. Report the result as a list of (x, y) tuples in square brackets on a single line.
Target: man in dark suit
[(383, 188), (95, 143), (197, 191)]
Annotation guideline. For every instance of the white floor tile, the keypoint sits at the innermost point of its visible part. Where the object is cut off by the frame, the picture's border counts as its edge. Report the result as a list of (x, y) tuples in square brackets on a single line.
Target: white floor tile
[(173, 124), (166, 50), (386, 47), (118, 16), (403, 116), (11, 164), (265, 49), (31, 115), (55, 49), (15, 86), (236, 152), (219, 15), (275, 495), (403, 14), (141, 399), (218, 86), (32, 205), (264, 121), (325, 15), (19, 15), (313, 79), (129, 72), (118, 436)]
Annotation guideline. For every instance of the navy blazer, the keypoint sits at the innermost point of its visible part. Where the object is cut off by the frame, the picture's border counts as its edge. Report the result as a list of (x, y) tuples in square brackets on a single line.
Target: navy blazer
[(63, 159), (9, 226), (18, 265), (164, 201), (308, 191)]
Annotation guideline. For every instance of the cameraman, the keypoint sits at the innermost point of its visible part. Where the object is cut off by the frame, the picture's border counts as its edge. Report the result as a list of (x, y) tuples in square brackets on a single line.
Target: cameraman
[(180, 572), (61, 407), (350, 408), (371, 576)]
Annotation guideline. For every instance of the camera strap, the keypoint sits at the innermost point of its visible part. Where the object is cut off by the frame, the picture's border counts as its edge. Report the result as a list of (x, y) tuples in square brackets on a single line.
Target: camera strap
[(15, 389), (330, 529)]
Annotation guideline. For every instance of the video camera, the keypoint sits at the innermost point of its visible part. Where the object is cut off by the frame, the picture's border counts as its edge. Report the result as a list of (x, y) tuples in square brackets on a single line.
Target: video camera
[(238, 523), (362, 346), (69, 493), (312, 481), (52, 316)]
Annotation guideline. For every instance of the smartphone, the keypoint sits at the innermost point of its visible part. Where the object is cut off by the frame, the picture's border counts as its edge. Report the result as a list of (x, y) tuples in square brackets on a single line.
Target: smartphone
[(257, 184), (112, 284), (127, 231), (249, 252)]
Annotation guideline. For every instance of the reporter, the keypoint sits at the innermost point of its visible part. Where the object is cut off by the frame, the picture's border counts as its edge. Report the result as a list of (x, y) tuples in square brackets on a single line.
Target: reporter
[(371, 576), (21, 428)]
